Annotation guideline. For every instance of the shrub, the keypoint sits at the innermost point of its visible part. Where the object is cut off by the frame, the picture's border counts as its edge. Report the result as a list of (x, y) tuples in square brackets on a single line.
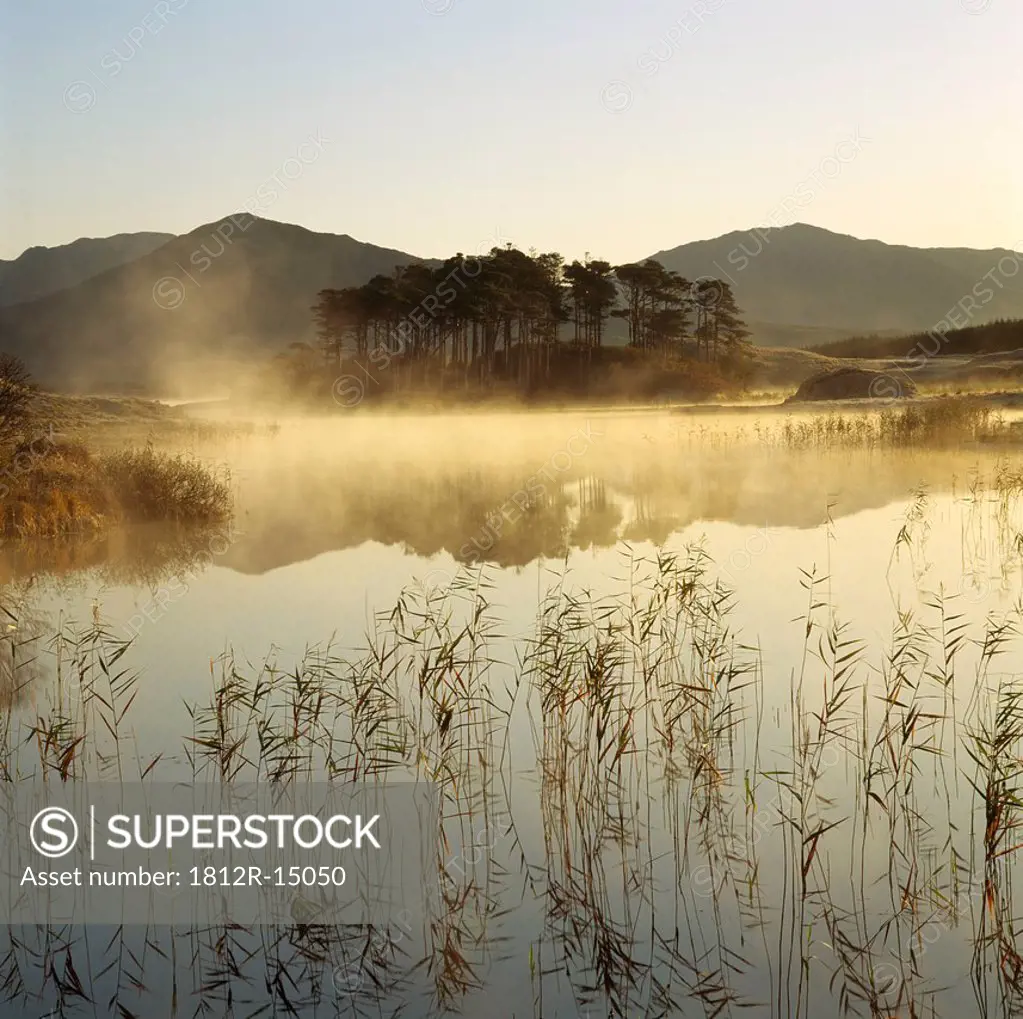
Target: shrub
[(158, 486), (61, 488), (53, 491), (17, 394)]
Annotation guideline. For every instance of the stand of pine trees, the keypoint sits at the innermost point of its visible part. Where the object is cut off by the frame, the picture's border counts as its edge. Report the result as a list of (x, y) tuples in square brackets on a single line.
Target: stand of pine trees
[(529, 322)]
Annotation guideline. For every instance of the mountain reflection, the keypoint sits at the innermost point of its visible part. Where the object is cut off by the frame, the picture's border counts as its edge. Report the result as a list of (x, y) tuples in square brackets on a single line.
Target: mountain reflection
[(293, 508), (473, 515)]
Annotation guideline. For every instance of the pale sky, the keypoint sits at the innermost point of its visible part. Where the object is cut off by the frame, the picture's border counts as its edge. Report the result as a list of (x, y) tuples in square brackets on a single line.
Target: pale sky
[(618, 127)]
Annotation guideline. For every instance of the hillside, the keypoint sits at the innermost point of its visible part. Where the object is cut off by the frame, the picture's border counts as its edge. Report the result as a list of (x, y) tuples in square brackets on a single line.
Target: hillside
[(241, 287), (774, 334), (803, 276), (990, 338), (41, 271)]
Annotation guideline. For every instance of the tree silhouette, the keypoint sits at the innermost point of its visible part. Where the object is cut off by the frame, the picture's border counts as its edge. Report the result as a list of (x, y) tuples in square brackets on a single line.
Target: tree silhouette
[(17, 393), (527, 319)]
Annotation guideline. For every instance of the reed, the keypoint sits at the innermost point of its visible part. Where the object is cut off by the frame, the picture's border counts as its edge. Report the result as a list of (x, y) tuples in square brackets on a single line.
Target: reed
[(63, 489), (677, 825)]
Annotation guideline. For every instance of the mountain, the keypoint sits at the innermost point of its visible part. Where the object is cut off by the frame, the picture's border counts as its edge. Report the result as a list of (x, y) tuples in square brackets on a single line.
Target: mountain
[(790, 279), (41, 271), (235, 289), (993, 343), (241, 288)]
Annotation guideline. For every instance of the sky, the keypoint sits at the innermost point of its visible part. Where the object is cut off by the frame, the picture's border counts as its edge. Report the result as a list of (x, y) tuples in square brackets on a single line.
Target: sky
[(613, 127)]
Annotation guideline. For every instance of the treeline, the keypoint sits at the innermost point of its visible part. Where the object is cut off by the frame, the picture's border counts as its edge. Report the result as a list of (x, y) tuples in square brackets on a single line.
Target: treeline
[(990, 338), (528, 319)]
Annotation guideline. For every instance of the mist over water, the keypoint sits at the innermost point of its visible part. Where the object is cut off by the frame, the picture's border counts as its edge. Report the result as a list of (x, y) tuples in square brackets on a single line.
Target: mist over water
[(336, 517), (639, 560), (609, 496), (510, 489)]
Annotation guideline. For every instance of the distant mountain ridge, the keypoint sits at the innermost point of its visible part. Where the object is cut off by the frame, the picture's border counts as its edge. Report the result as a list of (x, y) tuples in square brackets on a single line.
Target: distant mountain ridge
[(40, 271), (806, 276), (237, 288), (242, 288)]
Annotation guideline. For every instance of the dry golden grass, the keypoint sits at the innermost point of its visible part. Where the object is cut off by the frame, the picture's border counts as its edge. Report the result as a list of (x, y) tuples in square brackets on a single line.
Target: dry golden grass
[(61, 488), (150, 485), (55, 491), (938, 422)]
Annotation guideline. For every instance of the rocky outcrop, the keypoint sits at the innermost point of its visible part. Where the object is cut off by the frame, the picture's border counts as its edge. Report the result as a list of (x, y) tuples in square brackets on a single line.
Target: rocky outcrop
[(848, 383)]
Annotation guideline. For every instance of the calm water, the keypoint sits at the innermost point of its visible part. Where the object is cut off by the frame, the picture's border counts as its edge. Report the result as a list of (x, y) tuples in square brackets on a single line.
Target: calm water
[(699, 871)]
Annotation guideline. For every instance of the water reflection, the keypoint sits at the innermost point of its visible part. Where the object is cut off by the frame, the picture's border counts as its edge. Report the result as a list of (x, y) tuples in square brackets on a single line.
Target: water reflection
[(511, 490), (750, 742), (473, 516), (142, 555), (22, 628)]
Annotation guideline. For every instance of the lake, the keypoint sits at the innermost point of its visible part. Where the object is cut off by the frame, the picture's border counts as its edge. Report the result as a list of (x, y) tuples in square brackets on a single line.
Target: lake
[(723, 711)]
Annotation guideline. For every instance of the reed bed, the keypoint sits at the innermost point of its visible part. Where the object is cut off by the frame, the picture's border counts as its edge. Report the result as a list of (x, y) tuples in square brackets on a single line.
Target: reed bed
[(638, 816), (65, 490), (937, 422)]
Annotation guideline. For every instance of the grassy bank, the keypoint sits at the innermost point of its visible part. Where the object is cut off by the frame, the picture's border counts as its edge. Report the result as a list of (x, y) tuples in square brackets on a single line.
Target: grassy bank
[(53, 484), (111, 422), (54, 488)]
